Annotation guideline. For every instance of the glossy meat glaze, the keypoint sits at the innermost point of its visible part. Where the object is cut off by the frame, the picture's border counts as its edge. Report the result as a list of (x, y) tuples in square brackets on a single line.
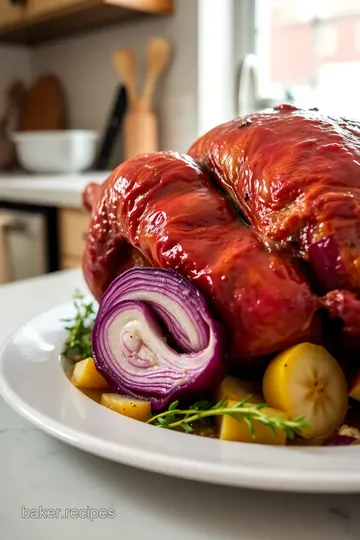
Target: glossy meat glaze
[(295, 175), (162, 210)]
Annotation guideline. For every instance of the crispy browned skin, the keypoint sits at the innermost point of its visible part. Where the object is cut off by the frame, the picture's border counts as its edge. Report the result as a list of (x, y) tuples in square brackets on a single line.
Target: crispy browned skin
[(163, 209), (296, 177)]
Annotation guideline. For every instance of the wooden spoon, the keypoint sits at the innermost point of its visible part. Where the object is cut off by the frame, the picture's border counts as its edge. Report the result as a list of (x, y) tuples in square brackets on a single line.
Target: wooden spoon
[(125, 64), (158, 56)]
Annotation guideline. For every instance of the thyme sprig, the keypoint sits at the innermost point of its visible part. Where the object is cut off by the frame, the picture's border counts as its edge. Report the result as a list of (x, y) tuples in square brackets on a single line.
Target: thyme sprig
[(79, 328), (201, 411)]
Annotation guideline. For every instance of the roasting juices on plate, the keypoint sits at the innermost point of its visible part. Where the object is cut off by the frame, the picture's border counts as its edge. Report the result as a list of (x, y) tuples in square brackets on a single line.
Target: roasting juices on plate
[(241, 258)]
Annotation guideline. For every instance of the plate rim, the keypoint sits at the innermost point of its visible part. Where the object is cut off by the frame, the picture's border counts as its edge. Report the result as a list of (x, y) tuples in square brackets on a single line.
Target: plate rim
[(321, 481)]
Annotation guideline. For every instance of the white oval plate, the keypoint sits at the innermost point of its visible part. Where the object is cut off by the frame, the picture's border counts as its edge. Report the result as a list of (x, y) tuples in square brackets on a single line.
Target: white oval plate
[(33, 382)]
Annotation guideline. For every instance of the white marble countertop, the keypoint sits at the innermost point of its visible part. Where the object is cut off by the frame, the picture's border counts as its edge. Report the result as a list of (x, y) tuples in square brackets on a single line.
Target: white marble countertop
[(50, 190), (37, 470)]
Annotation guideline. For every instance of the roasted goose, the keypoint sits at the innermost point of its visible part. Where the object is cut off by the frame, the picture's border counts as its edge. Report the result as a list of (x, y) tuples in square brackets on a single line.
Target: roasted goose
[(295, 175), (292, 174), (166, 208)]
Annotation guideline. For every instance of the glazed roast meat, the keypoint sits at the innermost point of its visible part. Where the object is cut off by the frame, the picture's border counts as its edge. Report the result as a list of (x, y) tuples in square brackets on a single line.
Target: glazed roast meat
[(166, 209), (294, 175)]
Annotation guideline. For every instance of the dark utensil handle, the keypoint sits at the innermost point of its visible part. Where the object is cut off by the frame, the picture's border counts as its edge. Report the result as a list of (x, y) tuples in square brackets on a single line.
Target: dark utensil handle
[(112, 129)]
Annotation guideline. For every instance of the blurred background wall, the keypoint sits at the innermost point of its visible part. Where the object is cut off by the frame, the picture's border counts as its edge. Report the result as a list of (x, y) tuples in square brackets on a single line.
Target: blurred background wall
[(84, 65)]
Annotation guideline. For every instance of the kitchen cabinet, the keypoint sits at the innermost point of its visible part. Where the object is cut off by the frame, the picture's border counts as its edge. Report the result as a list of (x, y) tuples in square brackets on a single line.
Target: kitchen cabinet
[(11, 14), (36, 21), (73, 226), (51, 8), (28, 240)]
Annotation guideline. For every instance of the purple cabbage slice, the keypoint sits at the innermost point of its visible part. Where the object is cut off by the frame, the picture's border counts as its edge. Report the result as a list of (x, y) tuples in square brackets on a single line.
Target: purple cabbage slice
[(129, 346)]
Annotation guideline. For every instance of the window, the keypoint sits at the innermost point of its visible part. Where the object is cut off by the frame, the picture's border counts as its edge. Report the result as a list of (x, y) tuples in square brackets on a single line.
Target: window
[(309, 52)]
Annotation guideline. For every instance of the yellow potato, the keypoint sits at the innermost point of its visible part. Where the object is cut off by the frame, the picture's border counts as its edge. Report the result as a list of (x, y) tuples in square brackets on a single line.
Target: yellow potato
[(237, 390), (85, 375), (355, 387), (127, 406), (93, 393), (232, 430), (306, 380)]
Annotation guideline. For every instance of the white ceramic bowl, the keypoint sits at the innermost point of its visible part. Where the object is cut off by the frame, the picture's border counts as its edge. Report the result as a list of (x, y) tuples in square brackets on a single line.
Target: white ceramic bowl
[(67, 151)]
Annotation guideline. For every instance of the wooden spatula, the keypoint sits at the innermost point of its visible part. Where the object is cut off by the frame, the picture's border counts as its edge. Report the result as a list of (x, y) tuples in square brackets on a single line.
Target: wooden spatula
[(125, 64), (158, 57)]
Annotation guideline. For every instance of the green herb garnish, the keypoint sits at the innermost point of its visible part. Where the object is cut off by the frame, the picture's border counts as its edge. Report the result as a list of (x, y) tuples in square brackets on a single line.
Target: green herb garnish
[(200, 412), (78, 343)]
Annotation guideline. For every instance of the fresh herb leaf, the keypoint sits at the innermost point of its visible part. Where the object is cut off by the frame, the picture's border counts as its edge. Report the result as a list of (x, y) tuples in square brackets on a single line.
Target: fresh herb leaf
[(174, 405), (175, 418), (273, 429), (220, 404), (78, 344), (244, 402), (202, 405), (260, 406), (250, 426)]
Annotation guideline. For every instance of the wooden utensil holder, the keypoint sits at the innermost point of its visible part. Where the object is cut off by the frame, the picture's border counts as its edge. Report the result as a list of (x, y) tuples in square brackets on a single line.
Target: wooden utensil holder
[(141, 133)]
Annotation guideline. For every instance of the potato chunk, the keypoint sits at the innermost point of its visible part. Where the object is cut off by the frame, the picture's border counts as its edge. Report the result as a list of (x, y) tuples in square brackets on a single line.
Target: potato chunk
[(128, 406), (354, 391), (238, 389), (232, 430), (85, 375), (92, 393)]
